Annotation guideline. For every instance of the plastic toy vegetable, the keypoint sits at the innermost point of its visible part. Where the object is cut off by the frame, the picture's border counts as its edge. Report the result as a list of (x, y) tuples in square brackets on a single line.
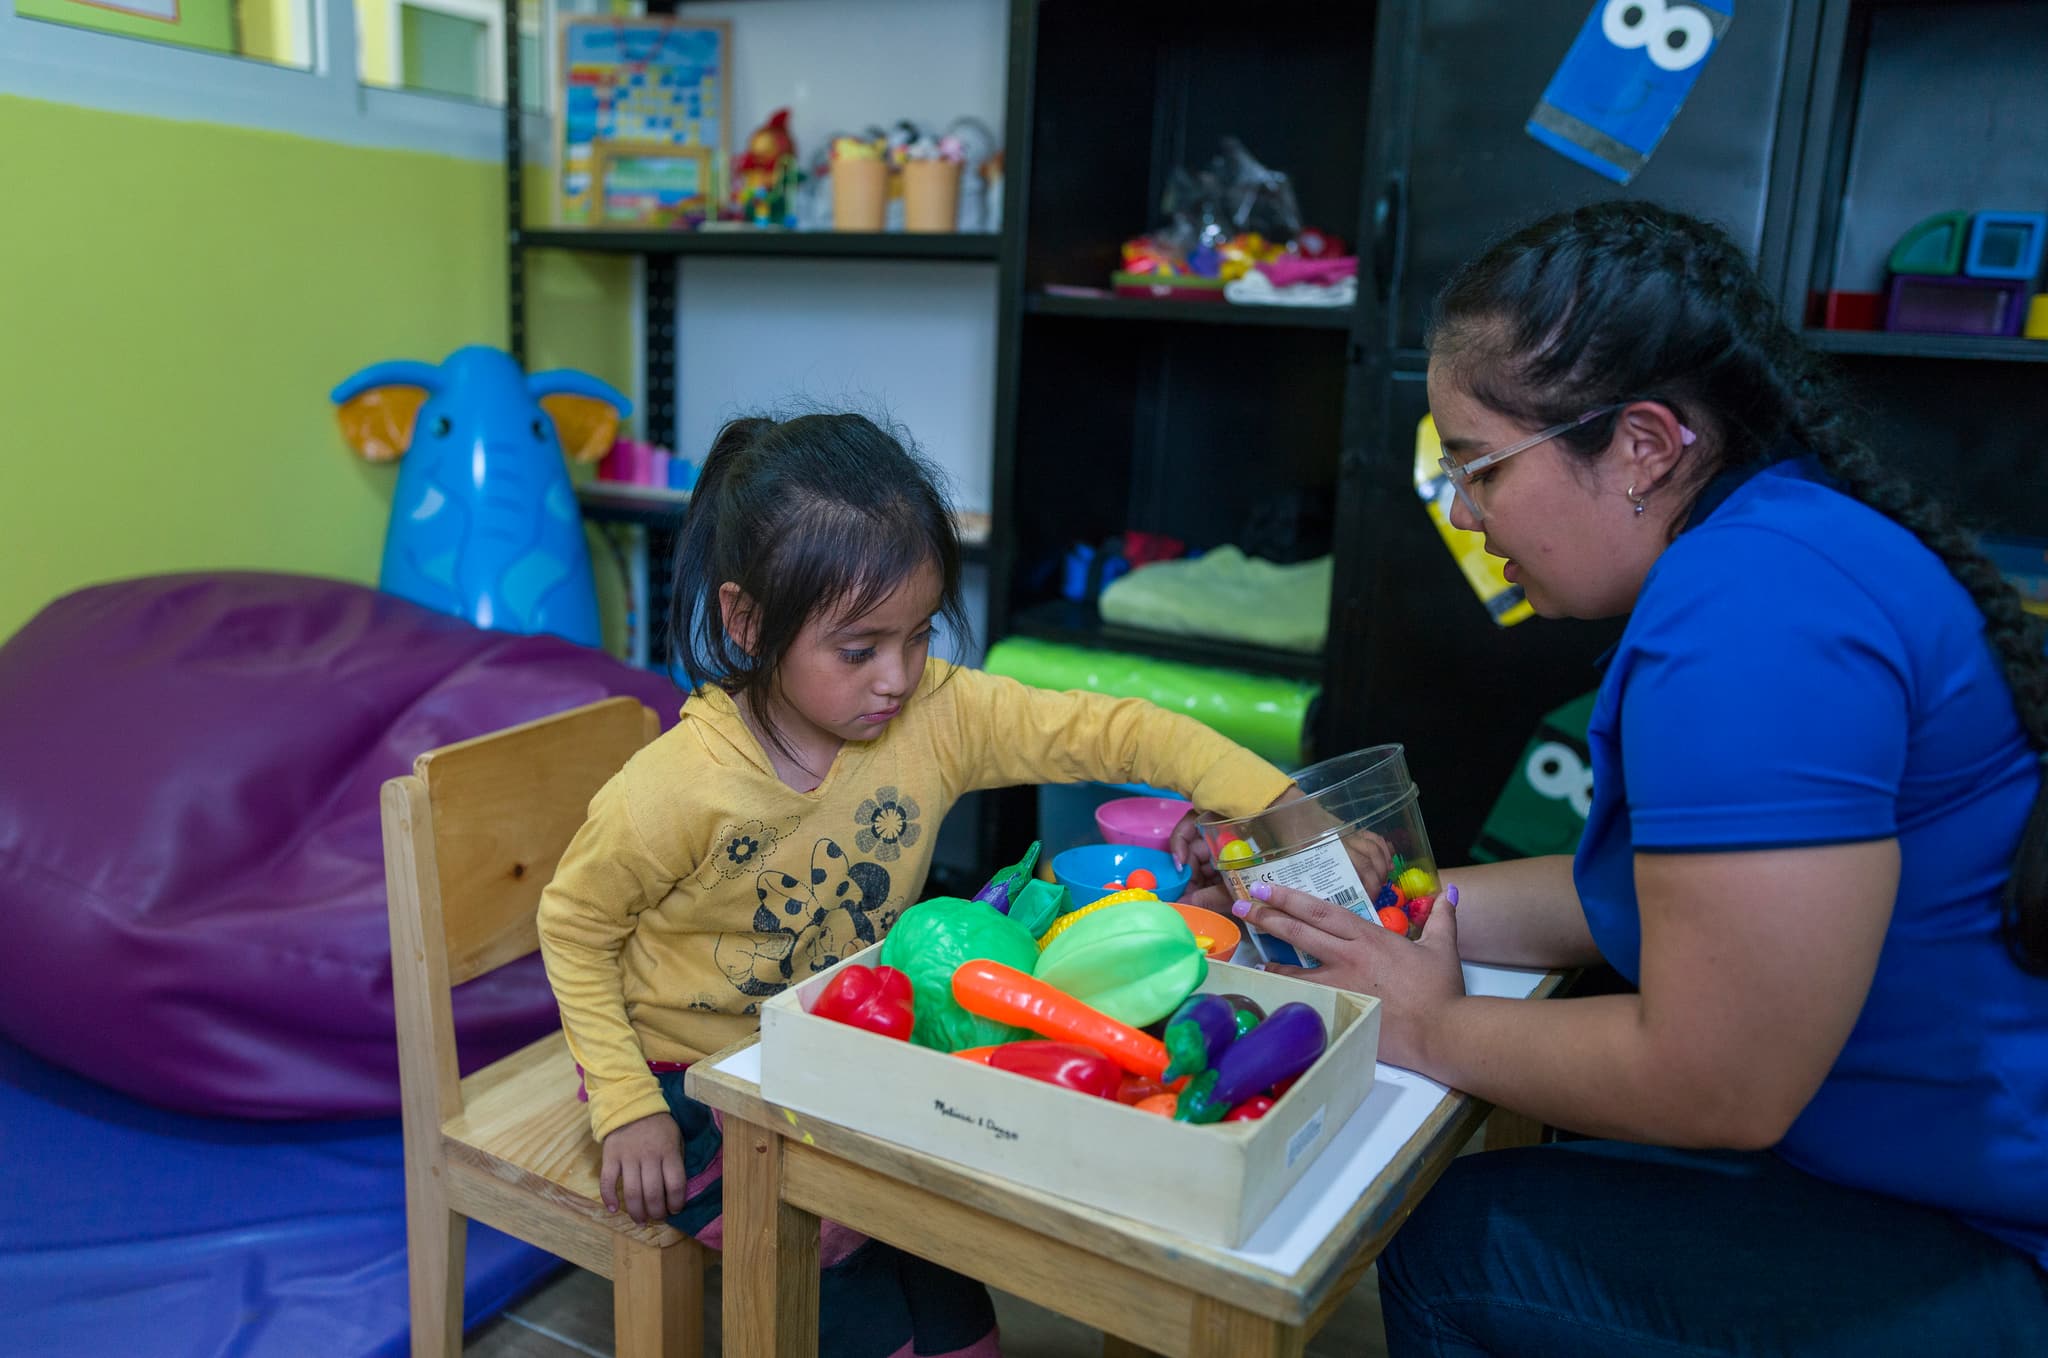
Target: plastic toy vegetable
[(1282, 1047), (1198, 1102), (1135, 963), (875, 998), (1137, 1088), (1007, 996), (1066, 1064), (1162, 1104), (1197, 1034), (1089, 911), (1251, 1110), (929, 942), (1037, 904), (1004, 888), (1250, 1013)]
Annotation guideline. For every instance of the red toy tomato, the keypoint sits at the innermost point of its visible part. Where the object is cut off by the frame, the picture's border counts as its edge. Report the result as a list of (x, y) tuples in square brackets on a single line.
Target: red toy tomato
[(1142, 879), (1251, 1110)]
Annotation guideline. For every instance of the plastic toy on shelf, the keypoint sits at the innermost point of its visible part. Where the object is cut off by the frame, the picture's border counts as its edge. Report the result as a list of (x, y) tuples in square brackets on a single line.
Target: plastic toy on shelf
[(1957, 273), (766, 174), (1222, 223)]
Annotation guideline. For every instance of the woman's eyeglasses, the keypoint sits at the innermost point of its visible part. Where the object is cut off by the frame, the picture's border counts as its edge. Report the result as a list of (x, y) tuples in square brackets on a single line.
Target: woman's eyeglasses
[(1460, 474)]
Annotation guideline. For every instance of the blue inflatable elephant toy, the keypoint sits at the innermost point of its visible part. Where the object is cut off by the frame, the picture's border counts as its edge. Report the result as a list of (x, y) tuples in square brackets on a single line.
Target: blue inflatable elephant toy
[(484, 523)]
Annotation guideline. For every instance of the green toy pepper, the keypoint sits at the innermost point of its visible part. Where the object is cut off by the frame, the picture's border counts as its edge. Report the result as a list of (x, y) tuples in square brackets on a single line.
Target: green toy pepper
[(1134, 962), (1038, 904), (929, 943)]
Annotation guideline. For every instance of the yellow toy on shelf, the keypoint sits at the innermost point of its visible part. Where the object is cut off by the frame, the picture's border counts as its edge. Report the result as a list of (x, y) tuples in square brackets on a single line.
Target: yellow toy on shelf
[(1504, 601)]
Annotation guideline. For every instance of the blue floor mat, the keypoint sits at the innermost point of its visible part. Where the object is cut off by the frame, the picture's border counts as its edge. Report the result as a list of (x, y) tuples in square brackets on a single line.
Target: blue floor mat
[(128, 1230)]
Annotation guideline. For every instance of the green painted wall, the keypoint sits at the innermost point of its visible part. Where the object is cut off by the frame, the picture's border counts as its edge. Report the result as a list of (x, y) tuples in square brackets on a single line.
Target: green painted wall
[(175, 310), (200, 23)]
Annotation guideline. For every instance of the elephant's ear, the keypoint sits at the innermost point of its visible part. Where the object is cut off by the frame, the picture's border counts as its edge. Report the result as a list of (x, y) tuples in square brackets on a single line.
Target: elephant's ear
[(378, 424), (587, 425), (379, 405)]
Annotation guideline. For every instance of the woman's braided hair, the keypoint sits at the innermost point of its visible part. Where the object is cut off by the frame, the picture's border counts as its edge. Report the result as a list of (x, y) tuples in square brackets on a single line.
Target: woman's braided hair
[(1627, 301)]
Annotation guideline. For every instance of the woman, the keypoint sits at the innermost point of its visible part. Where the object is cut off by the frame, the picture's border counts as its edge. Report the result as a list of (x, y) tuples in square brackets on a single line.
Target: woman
[(1818, 847)]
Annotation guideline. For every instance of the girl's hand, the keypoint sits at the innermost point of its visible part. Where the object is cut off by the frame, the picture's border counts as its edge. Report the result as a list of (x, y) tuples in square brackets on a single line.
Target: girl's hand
[(648, 1155), (1415, 982), (1190, 850)]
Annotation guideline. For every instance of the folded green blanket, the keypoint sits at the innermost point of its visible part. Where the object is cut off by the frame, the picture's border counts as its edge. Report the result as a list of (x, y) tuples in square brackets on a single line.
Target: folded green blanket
[(1227, 595)]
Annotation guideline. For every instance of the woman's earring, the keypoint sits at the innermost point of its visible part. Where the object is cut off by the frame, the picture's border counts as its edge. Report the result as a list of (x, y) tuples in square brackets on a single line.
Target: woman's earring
[(1634, 498)]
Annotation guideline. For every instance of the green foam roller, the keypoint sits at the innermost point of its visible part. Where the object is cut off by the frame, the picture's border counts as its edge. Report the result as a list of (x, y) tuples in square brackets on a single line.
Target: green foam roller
[(1266, 715)]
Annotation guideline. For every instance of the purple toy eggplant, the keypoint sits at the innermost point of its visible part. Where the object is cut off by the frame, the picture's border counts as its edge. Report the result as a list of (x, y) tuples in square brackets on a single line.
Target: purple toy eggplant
[(1282, 1047), (1197, 1035)]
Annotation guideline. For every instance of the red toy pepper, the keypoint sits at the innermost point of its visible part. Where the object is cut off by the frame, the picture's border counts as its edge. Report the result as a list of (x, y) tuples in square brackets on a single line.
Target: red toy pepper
[(874, 998), (1251, 1110), (1066, 1064)]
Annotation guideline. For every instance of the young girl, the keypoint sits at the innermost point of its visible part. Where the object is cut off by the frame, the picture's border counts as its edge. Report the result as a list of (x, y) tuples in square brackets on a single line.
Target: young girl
[(789, 817)]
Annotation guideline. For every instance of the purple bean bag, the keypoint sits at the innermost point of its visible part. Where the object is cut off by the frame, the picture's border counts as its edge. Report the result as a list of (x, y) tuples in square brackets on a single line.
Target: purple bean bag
[(191, 863)]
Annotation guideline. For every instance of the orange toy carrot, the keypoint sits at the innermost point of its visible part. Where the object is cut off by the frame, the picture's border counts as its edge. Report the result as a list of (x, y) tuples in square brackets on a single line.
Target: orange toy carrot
[(1007, 995)]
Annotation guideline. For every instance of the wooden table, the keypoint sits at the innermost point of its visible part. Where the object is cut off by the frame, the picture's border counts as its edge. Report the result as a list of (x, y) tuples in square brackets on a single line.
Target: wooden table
[(1147, 1291)]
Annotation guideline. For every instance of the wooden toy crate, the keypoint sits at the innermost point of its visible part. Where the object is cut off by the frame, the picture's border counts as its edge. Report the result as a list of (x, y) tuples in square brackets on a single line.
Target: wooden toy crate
[(1212, 1183)]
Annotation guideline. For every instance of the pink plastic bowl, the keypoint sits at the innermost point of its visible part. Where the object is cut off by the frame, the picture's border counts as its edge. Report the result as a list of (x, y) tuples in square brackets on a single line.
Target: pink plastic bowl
[(1142, 821)]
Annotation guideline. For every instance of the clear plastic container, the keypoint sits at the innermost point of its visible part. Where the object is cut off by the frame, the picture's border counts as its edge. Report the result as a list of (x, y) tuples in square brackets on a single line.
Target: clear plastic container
[(1355, 838)]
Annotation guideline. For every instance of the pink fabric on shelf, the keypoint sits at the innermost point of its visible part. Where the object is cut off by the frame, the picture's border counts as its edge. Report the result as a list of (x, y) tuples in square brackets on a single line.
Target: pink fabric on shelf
[(1288, 270)]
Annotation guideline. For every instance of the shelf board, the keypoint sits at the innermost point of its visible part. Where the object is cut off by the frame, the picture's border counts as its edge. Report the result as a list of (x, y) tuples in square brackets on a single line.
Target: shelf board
[(741, 244), (650, 506), (1890, 344), (1193, 313), (1078, 624), (617, 502)]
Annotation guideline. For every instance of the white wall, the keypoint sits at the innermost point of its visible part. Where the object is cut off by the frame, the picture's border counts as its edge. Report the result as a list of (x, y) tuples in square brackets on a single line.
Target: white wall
[(914, 339)]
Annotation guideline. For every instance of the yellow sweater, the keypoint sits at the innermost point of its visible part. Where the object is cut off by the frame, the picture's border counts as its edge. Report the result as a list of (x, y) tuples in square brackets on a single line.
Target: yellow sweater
[(702, 883)]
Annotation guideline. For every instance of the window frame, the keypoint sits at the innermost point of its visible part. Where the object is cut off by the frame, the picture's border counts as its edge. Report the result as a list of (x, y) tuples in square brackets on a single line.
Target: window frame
[(64, 64)]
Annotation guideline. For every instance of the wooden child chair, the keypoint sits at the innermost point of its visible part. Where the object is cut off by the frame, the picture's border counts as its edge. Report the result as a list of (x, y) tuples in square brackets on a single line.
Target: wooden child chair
[(470, 839)]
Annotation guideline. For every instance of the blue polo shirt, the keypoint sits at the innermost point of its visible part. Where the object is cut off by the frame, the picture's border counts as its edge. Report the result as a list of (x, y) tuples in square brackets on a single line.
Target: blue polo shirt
[(1800, 670)]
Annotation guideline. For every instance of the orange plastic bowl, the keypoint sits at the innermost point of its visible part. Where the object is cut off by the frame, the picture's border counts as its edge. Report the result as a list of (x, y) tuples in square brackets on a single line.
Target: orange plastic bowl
[(1221, 930)]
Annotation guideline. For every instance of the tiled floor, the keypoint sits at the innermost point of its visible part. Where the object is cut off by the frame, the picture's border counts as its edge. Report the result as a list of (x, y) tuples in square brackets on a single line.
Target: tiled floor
[(573, 1316)]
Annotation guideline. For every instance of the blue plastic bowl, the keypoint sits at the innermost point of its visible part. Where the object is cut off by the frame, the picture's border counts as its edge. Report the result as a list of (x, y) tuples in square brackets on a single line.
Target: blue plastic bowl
[(1083, 871)]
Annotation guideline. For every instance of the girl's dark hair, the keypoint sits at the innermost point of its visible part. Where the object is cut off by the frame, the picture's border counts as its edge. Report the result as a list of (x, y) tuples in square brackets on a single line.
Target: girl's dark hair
[(1627, 301), (821, 513)]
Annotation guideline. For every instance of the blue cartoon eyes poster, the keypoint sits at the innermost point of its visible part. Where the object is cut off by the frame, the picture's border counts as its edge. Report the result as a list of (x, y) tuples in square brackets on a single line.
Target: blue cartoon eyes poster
[(1624, 80)]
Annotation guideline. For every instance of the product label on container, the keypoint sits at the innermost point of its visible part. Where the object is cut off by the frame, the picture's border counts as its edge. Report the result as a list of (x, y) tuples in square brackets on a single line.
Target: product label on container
[(1322, 870), (1306, 1136)]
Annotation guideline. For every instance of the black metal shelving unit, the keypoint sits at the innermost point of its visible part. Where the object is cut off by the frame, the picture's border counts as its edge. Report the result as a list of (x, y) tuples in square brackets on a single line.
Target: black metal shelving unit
[(1079, 624), (777, 244), (1964, 348), (1189, 313), (661, 253)]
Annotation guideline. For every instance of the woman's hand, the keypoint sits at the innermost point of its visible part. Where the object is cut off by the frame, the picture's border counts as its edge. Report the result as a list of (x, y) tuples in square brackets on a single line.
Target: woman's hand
[(647, 1154), (1415, 982)]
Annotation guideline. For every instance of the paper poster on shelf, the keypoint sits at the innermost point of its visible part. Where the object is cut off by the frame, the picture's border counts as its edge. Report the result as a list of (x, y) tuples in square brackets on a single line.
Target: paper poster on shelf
[(1624, 79), (645, 111), (1503, 600)]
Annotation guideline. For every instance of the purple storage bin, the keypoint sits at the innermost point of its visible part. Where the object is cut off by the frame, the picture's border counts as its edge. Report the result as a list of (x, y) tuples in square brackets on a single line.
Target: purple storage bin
[(1927, 305)]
